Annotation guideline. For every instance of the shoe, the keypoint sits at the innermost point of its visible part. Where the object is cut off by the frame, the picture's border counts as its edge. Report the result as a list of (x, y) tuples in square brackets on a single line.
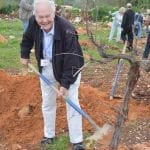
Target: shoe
[(78, 146), (46, 140), (130, 48)]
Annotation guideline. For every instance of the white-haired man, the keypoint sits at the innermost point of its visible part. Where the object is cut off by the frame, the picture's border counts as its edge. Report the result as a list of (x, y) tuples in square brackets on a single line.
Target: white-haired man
[(59, 57)]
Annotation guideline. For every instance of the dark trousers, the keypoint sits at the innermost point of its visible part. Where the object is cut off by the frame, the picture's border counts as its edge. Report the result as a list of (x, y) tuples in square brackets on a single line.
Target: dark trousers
[(127, 34), (147, 47)]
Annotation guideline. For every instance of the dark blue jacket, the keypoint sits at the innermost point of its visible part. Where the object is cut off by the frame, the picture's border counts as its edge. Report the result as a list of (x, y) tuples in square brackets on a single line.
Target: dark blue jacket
[(138, 18), (65, 41), (128, 19)]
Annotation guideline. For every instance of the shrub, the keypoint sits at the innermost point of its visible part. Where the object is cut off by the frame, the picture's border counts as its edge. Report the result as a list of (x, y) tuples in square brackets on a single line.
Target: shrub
[(75, 11), (101, 13), (8, 9)]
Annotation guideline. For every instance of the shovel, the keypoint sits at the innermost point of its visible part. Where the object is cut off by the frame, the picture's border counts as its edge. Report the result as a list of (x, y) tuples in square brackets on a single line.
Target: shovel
[(99, 132)]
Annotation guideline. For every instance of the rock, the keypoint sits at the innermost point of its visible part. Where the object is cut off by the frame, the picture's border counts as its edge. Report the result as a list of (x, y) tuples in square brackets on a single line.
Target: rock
[(26, 110), (12, 37)]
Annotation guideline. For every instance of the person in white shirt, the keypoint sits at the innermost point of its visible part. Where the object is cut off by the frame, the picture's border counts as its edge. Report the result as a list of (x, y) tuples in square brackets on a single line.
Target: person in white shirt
[(116, 24)]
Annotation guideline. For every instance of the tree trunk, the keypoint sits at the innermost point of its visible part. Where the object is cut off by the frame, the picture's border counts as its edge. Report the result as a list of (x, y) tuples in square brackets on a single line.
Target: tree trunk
[(133, 76)]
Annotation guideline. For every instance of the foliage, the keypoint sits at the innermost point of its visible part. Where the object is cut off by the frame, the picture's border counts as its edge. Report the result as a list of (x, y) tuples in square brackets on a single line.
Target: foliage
[(101, 13), (7, 6), (8, 9), (136, 3), (75, 11), (59, 2)]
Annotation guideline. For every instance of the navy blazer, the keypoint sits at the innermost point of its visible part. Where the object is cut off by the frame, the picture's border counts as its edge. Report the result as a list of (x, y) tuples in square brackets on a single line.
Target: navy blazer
[(128, 19), (67, 56)]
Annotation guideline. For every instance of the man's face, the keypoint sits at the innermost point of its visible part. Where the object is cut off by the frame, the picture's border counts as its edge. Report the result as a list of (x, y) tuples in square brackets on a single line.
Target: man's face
[(147, 20), (44, 17)]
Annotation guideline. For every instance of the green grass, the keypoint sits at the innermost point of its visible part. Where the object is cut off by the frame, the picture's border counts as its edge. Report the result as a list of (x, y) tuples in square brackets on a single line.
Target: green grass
[(60, 143), (12, 31)]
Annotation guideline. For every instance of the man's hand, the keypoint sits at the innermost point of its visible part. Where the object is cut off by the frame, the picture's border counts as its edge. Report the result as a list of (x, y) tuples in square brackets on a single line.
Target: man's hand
[(25, 65), (63, 92), (24, 61)]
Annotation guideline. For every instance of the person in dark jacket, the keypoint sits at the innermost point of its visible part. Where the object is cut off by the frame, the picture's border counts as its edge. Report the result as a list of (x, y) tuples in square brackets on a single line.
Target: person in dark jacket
[(127, 26), (60, 59)]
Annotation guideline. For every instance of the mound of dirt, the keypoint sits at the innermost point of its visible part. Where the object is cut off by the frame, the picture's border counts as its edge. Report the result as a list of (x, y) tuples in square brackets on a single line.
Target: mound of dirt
[(21, 95)]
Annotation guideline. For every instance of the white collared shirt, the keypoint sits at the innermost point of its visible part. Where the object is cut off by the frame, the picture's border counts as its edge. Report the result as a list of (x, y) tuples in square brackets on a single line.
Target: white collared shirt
[(48, 43)]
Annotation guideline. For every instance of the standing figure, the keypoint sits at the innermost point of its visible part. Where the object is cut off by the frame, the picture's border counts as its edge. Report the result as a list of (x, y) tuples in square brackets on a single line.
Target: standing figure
[(128, 26), (138, 21), (58, 10), (116, 24), (147, 47), (59, 57), (146, 25), (25, 12)]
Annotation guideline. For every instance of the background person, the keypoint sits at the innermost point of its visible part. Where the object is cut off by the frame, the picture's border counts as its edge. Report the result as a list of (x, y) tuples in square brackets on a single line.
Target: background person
[(127, 26), (25, 12), (116, 24), (58, 10), (138, 22), (59, 57), (147, 47), (146, 24)]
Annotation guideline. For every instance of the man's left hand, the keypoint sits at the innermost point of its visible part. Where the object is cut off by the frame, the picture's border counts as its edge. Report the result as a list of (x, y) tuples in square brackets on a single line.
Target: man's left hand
[(63, 92)]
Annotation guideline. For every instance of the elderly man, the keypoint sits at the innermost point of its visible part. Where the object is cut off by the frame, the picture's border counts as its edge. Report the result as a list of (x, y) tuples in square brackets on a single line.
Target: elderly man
[(59, 58)]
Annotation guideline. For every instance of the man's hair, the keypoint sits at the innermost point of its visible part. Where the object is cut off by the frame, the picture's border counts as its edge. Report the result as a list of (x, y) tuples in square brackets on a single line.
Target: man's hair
[(129, 5), (122, 9), (50, 2)]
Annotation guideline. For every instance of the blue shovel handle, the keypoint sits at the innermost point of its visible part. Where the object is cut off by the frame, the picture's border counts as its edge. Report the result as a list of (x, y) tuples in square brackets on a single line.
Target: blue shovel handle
[(79, 110)]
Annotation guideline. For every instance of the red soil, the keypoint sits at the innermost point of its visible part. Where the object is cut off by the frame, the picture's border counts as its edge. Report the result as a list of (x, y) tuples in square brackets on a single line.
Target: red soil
[(18, 92)]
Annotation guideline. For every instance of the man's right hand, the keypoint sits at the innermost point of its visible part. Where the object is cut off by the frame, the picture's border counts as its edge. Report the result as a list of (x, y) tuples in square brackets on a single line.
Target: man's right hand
[(24, 62)]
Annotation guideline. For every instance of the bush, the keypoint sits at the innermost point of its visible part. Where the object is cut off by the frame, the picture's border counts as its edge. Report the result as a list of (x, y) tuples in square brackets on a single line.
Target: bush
[(75, 11), (101, 13), (8, 9)]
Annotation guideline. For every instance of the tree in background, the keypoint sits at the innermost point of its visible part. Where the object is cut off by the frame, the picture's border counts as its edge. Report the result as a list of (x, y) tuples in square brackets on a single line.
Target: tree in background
[(59, 2), (138, 3)]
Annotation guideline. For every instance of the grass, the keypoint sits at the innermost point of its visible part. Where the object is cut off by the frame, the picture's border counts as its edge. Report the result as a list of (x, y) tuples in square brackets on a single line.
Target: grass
[(60, 143), (12, 31)]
